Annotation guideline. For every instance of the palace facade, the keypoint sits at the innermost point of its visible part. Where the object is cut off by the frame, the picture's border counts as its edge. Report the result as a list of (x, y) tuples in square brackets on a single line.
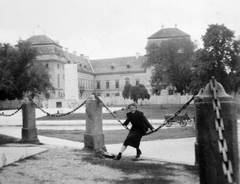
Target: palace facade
[(106, 77)]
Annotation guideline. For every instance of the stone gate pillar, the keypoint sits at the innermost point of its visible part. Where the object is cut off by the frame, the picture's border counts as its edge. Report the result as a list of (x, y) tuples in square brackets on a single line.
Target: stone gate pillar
[(94, 137), (29, 130), (217, 142)]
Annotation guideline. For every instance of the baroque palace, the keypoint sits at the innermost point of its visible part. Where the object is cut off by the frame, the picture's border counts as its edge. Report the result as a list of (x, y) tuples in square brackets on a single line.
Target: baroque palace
[(106, 77)]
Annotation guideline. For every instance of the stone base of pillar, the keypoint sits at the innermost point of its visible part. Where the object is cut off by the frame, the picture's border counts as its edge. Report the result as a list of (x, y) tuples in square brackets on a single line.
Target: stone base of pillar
[(30, 135), (93, 141)]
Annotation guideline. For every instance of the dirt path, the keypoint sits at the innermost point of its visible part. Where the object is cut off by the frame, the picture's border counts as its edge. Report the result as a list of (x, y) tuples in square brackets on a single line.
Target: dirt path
[(63, 165)]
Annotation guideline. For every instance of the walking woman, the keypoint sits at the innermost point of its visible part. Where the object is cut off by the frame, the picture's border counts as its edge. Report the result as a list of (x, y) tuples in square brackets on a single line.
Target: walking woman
[(140, 126)]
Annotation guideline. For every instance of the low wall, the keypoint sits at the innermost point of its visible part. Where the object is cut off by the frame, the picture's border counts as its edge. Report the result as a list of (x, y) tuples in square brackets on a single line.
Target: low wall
[(10, 104), (168, 99), (63, 103)]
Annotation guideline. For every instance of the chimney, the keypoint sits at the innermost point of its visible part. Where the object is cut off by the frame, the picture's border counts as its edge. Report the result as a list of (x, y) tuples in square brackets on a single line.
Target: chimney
[(137, 55), (66, 49), (81, 55), (75, 53), (86, 57), (57, 42)]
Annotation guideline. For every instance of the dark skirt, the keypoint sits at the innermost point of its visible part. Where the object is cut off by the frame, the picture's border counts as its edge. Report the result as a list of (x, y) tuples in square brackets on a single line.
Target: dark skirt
[(133, 139)]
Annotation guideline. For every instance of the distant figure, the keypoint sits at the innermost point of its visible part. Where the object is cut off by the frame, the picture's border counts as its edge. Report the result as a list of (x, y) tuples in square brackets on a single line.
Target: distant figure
[(140, 126)]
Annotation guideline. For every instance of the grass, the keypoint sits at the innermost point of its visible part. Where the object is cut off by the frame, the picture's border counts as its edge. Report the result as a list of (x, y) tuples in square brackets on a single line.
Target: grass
[(118, 136), (148, 173), (150, 111), (5, 139)]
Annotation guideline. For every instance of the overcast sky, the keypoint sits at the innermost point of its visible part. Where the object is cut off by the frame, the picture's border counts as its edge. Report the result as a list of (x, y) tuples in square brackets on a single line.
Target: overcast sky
[(111, 28)]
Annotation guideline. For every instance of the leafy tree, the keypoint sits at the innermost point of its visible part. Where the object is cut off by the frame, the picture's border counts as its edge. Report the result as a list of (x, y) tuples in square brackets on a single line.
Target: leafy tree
[(172, 61), (139, 92), (20, 73), (218, 58), (127, 90)]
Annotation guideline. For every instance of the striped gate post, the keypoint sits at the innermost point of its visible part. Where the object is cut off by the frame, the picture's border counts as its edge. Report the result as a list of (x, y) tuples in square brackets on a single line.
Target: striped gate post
[(217, 141)]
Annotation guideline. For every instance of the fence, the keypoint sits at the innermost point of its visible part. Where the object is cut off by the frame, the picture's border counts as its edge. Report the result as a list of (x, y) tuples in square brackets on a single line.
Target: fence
[(116, 100), (10, 104)]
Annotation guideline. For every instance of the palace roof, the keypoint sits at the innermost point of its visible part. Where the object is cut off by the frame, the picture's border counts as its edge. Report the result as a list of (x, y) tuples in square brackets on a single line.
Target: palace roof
[(169, 33), (118, 65)]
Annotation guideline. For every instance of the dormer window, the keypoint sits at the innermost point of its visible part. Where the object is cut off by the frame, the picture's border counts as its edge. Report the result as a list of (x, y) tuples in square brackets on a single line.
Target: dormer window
[(113, 66), (128, 65)]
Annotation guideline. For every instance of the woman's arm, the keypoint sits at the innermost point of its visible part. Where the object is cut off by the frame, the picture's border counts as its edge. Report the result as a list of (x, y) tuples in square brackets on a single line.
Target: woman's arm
[(145, 120), (126, 122)]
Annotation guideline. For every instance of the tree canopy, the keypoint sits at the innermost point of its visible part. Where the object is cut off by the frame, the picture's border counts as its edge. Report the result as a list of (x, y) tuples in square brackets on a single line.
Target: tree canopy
[(135, 92), (218, 58), (19, 72), (127, 91), (172, 61)]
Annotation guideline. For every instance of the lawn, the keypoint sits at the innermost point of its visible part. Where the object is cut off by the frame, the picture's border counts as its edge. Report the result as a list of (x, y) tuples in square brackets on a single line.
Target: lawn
[(150, 111), (118, 136)]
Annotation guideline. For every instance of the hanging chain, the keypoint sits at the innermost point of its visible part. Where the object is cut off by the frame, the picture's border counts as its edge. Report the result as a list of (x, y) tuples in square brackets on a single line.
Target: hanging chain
[(58, 115), (110, 112), (222, 144), (155, 130), (172, 117), (7, 115)]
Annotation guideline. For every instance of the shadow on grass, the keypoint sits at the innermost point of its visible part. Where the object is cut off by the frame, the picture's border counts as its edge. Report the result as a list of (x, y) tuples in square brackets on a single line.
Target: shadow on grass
[(137, 172), (5, 139)]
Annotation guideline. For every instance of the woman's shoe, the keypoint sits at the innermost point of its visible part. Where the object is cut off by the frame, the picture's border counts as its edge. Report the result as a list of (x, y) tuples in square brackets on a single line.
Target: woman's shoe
[(118, 157), (138, 153)]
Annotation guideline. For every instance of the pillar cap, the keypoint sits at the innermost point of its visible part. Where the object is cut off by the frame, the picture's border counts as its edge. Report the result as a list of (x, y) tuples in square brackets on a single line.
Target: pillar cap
[(207, 91)]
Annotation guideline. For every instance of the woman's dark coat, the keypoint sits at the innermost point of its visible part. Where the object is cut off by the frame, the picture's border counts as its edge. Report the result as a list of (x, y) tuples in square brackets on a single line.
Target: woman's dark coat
[(140, 126)]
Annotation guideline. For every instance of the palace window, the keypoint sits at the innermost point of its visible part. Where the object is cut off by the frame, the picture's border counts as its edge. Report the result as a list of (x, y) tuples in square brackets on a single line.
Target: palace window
[(127, 81), (98, 85), (117, 83), (137, 82), (58, 80), (107, 85)]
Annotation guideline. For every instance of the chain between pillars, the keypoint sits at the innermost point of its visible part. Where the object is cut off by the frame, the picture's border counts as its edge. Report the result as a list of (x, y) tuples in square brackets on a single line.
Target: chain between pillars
[(222, 144), (155, 130), (8, 115), (60, 115)]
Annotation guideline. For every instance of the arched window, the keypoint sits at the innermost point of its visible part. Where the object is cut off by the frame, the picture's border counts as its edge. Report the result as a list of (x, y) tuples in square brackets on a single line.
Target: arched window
[(127, 81)]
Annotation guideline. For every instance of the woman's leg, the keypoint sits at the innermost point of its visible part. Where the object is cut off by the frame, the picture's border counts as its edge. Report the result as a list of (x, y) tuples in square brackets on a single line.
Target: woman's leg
[(119, 156), (138, 153), (123, 148)]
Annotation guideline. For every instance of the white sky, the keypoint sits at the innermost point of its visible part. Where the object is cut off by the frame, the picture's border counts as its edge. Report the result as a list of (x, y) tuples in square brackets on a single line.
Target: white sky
[(111, 28)]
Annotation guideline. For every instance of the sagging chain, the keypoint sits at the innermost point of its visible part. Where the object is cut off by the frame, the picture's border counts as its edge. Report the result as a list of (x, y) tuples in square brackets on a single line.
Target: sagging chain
[(110, 112), (8, 115), (155, 130), (59, 115), (222, 144), (172, 117)]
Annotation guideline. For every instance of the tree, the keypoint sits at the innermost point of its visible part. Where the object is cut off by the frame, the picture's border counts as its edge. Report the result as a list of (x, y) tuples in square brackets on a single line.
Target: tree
[(20, 73), (139, 92), (172, 61), (218, 58), (127, 90)]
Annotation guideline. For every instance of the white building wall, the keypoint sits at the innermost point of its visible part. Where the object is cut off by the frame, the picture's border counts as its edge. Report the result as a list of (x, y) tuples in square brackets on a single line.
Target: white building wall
[(71, 81)]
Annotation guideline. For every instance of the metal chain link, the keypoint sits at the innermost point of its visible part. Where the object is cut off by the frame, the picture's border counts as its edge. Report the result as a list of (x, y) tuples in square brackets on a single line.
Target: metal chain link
[(155, 130), (58, 115), (172, 117), (110, 112), (8, 115), (222, 144)]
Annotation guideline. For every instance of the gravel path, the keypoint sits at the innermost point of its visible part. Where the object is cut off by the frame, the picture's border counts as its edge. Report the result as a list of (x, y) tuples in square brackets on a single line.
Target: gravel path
[(64, 165)]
